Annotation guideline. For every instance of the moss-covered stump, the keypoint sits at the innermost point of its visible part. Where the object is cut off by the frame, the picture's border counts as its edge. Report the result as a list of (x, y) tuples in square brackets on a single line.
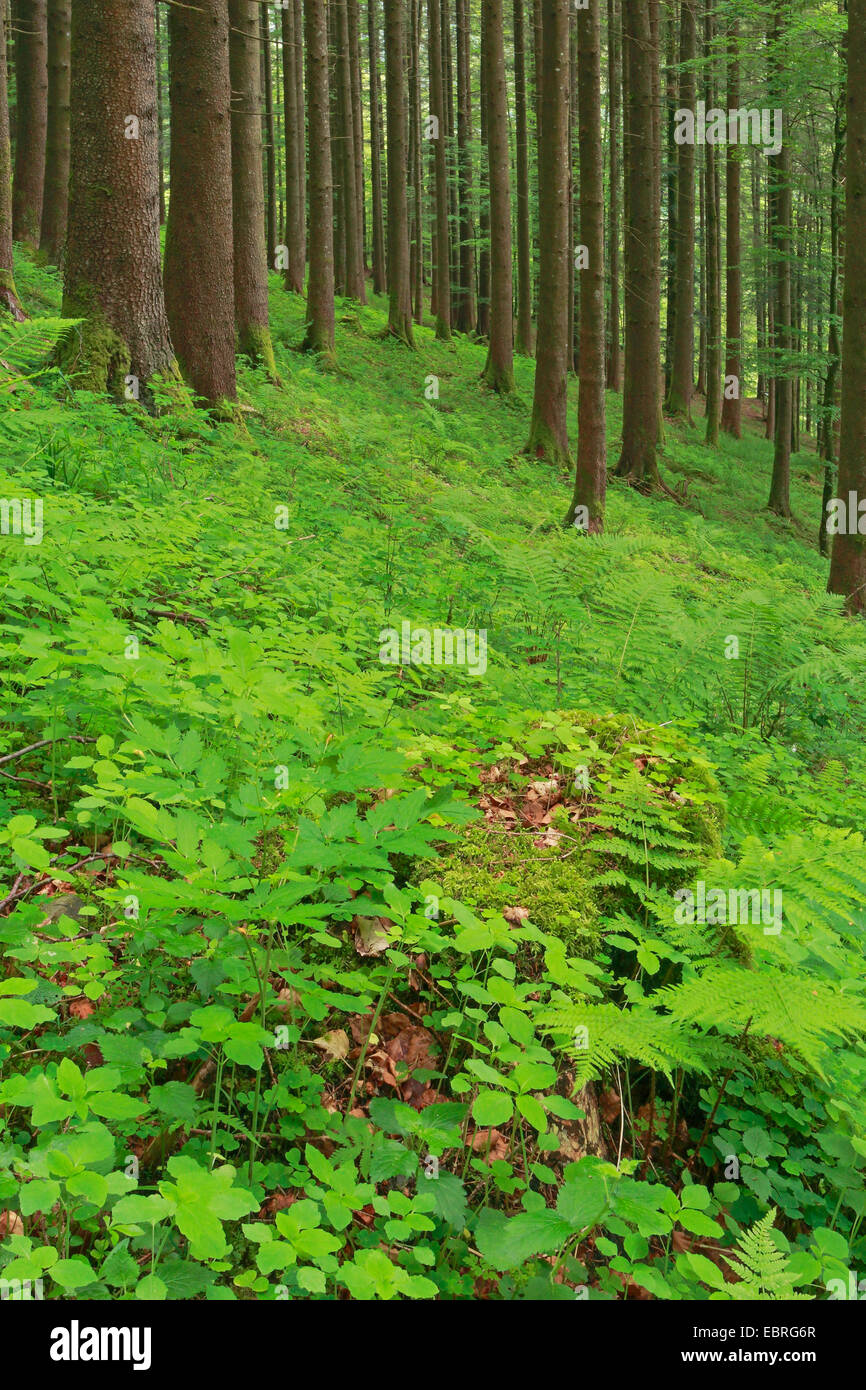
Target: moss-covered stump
[(583, 813)]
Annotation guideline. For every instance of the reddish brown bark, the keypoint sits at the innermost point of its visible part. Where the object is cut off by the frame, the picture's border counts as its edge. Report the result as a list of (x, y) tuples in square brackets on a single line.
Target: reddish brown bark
[(638, 460), (31, 118), (199, 256), (438, 114), (9, 300), (848, 563), (320, 281), (112, 278), (400, 295), (548, 432), (55, 200), (499, 368), (591, 471)]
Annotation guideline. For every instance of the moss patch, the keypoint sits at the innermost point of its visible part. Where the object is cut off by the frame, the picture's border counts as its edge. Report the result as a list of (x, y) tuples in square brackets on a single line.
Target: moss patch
[(493, 869)]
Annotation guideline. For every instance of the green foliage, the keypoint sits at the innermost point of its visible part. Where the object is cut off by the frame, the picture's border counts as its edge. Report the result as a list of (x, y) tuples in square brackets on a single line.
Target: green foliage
[(271, 1026)]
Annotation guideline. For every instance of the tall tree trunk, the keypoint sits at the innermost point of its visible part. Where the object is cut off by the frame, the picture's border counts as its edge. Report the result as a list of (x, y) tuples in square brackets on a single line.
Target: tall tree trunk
[(112, 277), (548, 432), (416, 250), (31, 118), (848, 563), (591, 473), (679, 401), (732, 406), (349, 203), (269, 134), (451, 161), (320, 281), (523, 340), (573, 307), (160, 109), (9, 300), (294, 117), (499, 368), (338, 141), (780, 486), (437, 112), (713, 253), (301, 134), (248, 193), (836, 309), (639, 458), (466, 311), (671, 174), (614, 85), (400, 292), (380, 282), (55, 201), (358, 127), (484, 210), (199, 254)]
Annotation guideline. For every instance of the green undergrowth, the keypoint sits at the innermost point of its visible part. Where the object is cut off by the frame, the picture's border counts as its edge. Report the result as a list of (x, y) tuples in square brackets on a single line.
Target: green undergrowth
[(316, 965)]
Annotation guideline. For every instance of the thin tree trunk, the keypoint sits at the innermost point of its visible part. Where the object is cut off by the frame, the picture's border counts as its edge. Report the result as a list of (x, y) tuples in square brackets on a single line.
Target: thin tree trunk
[(848, 563), (300, 134), (671, 173), (349, 202), (780, 501), (269, 134), (614, 86), (591, 471), (499, 368), (466, 311), (416, 256), (294, 115), (548, 432), (484, 211), (400, 295), (732, 406), (55, 201), (358, 126), (523, 339), (713, 255), (248, 192), (9, 301), (320, 281), (31, 118), (380, 282), (836, 308), (438, 113), (679, 401), (639, 458), (112, 278)]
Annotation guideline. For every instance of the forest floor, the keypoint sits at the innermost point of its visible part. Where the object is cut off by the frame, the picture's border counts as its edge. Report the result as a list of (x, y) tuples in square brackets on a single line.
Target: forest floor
[(259, 794)]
